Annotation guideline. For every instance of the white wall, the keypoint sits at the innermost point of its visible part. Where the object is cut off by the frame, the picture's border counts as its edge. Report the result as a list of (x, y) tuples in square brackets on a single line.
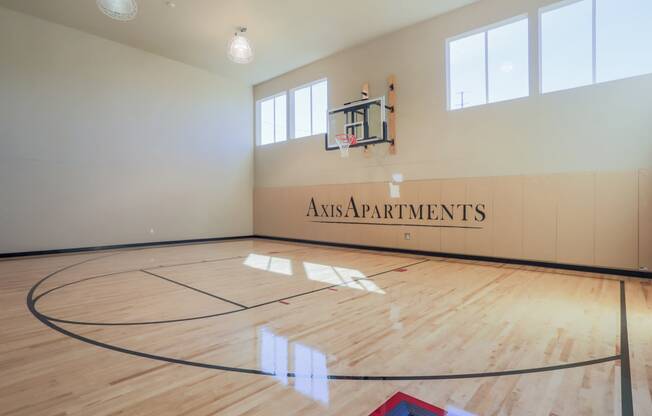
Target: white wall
[(105, 144), (605, 127)]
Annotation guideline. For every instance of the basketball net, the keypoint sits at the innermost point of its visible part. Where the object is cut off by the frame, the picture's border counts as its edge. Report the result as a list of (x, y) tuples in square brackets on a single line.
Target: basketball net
[(344, 141)]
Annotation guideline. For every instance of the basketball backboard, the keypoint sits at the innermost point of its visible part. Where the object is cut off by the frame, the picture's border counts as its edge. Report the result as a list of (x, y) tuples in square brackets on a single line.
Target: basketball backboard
[(366, 119)]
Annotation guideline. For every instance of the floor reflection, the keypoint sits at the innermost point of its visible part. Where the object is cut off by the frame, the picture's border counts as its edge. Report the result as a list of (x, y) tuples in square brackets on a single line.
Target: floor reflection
[(340, 276), (271, 264), (332, 275), (310, 367), (311, 373), (274, 355)]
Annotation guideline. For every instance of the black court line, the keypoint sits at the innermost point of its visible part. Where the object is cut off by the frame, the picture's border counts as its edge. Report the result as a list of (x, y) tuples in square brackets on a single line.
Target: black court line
[(626, 399), (167, 321), (196, 290), (79, 281), (194, 318), (398, 225), (45, 321), (131, 271), (160, 266), (338, 284)]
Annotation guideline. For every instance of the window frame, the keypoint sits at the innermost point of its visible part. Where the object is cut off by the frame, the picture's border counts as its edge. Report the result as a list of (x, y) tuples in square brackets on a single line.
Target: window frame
[(291, 106), (561, 5), (485, 30), (259, 135)]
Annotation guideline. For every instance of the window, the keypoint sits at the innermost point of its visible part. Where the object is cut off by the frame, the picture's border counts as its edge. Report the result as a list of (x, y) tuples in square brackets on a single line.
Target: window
[(509, 61), (309, 109), (468, 77), (566, 46), (272, 119), (489, 65), (623, 34), (589, 41)]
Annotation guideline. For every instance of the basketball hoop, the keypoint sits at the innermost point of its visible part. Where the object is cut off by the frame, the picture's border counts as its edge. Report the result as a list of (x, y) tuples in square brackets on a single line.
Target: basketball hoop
[(344, 141)]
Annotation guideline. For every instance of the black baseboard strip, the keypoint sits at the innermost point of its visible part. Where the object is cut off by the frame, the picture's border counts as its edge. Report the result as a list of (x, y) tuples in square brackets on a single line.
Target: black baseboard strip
[(120, 246), (578, 268), (588, 269)]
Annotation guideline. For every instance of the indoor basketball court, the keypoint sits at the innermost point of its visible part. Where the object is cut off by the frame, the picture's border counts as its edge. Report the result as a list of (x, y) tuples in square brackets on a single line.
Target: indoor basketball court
[(364, 208)]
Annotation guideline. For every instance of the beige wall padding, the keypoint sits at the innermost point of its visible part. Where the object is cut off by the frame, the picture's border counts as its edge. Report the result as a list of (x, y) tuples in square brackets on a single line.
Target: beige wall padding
[(586, 219)]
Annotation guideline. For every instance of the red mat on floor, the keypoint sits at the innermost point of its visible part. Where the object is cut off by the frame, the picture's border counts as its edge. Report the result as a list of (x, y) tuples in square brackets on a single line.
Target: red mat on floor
[(401, 404)]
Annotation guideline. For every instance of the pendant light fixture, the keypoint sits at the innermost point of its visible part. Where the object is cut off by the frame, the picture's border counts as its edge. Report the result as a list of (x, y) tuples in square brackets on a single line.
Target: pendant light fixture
[(123, 10), (239, 48)]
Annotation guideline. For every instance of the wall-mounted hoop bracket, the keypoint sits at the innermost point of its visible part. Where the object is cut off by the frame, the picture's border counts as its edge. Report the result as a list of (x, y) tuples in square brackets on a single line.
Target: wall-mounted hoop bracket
[(391, 122)]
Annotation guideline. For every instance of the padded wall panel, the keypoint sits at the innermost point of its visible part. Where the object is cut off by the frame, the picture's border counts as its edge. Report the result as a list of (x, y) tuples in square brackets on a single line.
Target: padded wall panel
[(507, 216), (373, 235), (453, 191), (430, 237), (480, 241), (409, 194), (576, 219), (540, 217), (617, 219)]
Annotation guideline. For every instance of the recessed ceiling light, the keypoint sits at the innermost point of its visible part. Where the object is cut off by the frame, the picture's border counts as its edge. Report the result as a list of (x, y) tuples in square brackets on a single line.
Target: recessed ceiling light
[(122, 10), (240, 50), (171, 4)]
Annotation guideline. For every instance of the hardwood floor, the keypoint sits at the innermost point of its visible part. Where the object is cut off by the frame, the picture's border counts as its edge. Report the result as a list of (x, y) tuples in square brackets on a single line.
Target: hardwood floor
[(263, 327)]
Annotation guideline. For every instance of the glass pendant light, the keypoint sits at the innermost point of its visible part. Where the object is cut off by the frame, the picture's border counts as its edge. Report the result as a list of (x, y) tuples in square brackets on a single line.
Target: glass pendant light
[(239, 48), (122, 10)]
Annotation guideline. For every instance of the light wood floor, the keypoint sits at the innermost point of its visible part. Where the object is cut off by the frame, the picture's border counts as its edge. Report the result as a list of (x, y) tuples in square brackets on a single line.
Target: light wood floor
[(264, 327)]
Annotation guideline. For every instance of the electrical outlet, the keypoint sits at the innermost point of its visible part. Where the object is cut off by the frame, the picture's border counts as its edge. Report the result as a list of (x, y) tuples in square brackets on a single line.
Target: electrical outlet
[(407, 236)]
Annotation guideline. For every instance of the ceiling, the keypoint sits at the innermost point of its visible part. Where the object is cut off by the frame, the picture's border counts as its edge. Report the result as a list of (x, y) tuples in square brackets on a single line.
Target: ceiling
[(285, 34)]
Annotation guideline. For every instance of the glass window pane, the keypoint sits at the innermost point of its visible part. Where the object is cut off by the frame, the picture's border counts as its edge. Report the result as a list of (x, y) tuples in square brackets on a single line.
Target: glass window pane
[(623, 35), (267, 121), (509, 75), (302, 112), (467, 72), (280, 119), (567, 46), (319, 107)]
